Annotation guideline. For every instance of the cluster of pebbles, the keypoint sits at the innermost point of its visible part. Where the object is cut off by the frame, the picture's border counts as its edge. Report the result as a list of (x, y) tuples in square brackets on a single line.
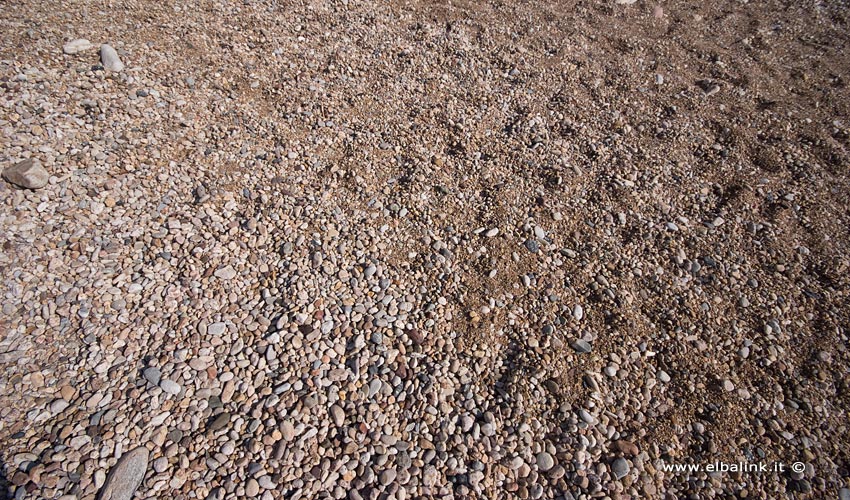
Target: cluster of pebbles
[(371, 250)]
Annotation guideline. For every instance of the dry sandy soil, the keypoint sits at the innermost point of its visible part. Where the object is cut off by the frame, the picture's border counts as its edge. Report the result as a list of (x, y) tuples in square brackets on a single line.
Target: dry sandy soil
[(268, 250)]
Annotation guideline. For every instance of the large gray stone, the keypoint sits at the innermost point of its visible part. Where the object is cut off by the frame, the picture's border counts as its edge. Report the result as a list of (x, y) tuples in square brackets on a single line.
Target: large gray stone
[(109, 58), (126, 476), (28, 174)]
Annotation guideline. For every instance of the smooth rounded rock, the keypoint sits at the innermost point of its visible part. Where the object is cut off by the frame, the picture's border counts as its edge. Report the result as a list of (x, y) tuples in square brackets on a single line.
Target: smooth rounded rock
[(545, 461), (337, 415), (252, 488), (387, 476), (170, 386), (586, 416), (109, 58)]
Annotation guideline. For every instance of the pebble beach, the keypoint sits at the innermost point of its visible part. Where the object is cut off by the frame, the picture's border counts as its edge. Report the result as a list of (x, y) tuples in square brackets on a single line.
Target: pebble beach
[(398, 250)]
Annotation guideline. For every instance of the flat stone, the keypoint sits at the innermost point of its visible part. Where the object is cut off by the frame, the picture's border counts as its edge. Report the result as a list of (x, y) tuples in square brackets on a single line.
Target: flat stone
[(466, 423), (58, 406), (159, 419), (77, 46), (581, 346), (169, 386), (267, 483), (216, 329), (152, 375), (200, 363), (99, 478), (219, 422), (28, 174), (374, 387), (370, 271), (67, 392), (109, 58), (175, 435), (225, 273), (20, 478), (557, 472), (126, 476), (78, 442)]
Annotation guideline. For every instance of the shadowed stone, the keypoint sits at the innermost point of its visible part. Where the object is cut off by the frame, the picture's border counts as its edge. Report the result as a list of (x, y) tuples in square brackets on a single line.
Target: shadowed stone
[(28, 174)]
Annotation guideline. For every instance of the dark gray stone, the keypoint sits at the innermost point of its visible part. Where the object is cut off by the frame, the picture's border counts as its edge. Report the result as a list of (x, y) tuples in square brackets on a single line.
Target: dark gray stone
[(152, 375), (620, 468), (219, 422)]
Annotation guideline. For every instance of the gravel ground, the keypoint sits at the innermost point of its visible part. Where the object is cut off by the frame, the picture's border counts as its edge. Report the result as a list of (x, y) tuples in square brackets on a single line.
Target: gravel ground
[(357, 249)]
